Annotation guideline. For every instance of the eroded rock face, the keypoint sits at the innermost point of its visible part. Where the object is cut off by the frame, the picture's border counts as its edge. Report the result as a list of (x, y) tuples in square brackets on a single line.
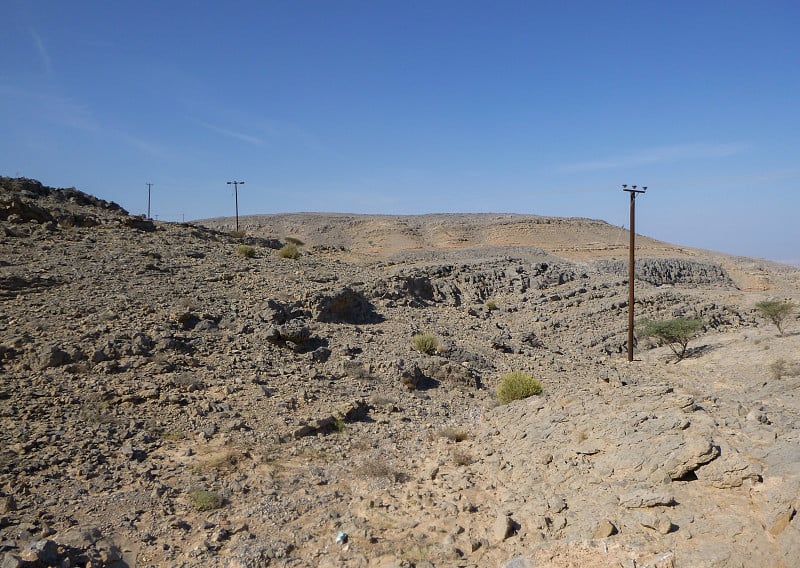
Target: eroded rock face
[(344, 306), (165, 401), (673, 271), (19, 211)]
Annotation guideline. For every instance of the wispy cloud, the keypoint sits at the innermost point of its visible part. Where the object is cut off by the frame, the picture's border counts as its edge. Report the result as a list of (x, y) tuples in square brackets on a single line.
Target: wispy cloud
[(154, 150), (284, 131), (47, 63), (247, 126), (232, 134), (657, 155), (55, 108), (731, 180), (63, 111)]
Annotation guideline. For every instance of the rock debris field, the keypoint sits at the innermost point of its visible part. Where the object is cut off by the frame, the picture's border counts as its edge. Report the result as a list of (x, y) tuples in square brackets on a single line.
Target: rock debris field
[(182, 395)]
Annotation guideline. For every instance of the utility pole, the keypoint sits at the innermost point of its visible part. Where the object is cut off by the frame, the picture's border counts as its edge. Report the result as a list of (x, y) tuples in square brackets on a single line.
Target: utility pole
[(631, 263), (149, 185), (236, 185)]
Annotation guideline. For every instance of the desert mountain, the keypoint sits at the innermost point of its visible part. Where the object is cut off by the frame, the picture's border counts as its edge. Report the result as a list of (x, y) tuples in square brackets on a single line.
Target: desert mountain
[(177, 395)]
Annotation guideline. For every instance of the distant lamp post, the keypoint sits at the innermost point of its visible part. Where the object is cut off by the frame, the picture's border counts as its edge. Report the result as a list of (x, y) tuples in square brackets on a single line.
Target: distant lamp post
[(236, 185), (631, 262), (149, 185)]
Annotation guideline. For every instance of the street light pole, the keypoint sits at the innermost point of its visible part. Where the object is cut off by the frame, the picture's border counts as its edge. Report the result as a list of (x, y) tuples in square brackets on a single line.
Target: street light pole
[(236, 185), (149, 185), (631, 264)]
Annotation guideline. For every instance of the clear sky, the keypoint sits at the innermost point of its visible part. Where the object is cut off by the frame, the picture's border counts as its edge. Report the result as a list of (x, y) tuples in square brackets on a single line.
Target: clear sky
[(412, 106)]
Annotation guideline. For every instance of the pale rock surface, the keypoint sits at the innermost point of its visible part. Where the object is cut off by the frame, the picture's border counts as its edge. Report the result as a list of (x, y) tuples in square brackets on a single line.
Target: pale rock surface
[(166, 401)]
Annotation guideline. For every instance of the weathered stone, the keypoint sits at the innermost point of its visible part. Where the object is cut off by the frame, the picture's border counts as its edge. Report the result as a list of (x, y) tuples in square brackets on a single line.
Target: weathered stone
[(354, 368), (731, 469), (778, 523), (52, 356), (657, 522), (644, 499), (320, 354), (672, 271), (452, 373), (12, 561), (502, 528), (663, 560), (605, 529), (295, 331), (410, 374), (694, 452), (139, 223), (79, 537), (7, 504), (19, 211), (344, 306), (44, 551)]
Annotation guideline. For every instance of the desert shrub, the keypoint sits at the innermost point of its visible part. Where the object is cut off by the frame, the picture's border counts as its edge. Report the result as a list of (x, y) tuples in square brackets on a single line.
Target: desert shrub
[(382, 400), (204, 500), (675, 333), (517, 385), (339, 425), (491, 305), (171, 435), (294, 241), (775, 311), (379, 468), (783, 368), (289, 251), (238, 234), (426, 343), (461, 457), (246, 251), (223, 462), (452, 434)]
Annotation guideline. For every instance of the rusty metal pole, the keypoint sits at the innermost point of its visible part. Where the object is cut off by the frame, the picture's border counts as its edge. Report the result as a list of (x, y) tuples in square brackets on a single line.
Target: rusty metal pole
[(236, 185), (631, 265), (149, 185)]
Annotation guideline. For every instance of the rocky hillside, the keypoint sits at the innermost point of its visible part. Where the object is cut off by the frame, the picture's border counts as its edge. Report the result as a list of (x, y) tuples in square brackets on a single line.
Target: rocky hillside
[(174, 395)]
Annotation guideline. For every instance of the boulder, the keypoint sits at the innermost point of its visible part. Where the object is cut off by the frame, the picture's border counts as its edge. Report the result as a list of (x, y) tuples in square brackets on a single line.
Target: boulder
[(696, 450), (344, 306)]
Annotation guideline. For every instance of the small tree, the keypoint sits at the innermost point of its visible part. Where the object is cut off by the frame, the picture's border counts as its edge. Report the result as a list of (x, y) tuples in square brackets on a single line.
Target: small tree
[(775, 311), (676, 333)]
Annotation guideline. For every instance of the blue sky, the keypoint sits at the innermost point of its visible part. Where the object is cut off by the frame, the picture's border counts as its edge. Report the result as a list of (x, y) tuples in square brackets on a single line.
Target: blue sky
[(418, 106)]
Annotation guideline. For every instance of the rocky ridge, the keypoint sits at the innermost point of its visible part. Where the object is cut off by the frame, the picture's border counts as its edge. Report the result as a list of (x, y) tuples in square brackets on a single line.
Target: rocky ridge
[(166, 401)]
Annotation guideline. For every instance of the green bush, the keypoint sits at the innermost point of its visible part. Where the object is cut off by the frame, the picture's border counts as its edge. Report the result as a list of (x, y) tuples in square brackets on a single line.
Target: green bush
[(289, 251), (775, 311), (294, 241), (204, 500), (676, 333), (491, 305), (246, 251), (339, 425), (517, 385), (426, 343), (238, 234)]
